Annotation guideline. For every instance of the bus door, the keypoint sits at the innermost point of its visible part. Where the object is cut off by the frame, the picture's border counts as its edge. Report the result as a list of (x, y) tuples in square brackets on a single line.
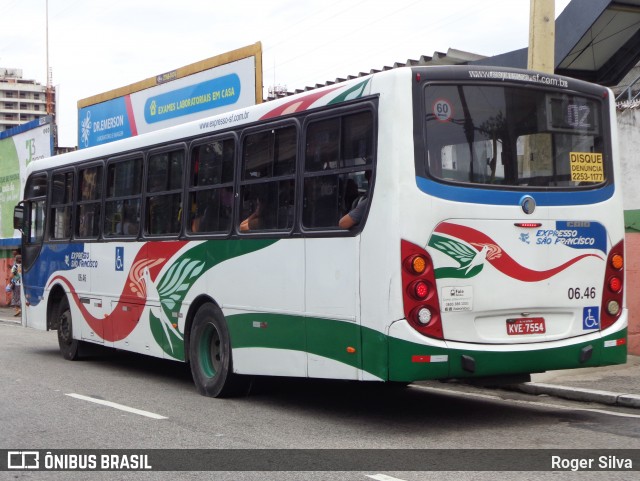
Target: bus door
[(331, 300), (33, 211), (339, 157), (83, 273), (126, 289)]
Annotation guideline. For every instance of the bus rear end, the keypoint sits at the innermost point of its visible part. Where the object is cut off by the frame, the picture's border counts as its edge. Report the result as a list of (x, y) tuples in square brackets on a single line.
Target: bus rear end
[(512, 251)]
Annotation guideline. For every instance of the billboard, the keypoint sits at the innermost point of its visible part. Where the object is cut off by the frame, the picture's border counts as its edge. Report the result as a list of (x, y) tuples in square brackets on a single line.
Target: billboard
[(19, 146), (213, 86)]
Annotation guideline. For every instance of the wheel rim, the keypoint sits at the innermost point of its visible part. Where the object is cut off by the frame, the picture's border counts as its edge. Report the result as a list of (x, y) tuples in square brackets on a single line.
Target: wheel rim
[(209, 351), (65, 327)]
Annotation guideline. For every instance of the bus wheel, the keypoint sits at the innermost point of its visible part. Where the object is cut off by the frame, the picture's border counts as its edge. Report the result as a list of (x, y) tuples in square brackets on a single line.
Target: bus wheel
[(210, 355), (69, 347)]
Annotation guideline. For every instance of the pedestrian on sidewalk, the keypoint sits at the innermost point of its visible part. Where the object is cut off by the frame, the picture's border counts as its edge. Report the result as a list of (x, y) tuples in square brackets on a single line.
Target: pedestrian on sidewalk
[(16, 282)]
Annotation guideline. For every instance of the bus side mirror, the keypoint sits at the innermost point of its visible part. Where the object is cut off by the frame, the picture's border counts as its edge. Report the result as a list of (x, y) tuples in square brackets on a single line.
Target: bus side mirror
[(18, 217)]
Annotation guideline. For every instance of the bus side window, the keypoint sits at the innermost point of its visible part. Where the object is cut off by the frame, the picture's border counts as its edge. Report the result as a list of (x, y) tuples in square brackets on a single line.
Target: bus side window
[(61, 205), (36, 221), (122, 206), (89, 195), (35, 194), (164, 193), (267, 187), (338, 165), (211, 187)]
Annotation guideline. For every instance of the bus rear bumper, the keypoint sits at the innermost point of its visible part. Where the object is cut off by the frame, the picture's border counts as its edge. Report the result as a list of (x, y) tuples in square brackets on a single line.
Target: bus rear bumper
[(433, 359)]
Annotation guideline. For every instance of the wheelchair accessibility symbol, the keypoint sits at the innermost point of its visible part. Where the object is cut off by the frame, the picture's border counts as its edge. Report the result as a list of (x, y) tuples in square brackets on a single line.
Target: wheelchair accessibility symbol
[(591, 318), (119, 258)]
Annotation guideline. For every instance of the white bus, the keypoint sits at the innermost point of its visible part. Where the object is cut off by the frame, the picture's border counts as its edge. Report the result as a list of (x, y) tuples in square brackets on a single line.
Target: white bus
[(488, 243)]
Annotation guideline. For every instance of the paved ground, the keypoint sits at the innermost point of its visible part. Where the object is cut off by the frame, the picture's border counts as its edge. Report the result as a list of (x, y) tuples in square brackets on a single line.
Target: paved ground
[(612, 385)]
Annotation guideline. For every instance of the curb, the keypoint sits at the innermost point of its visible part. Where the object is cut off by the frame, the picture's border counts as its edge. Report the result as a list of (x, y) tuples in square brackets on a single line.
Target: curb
[(11, 321), (585, 395), (538, 388)]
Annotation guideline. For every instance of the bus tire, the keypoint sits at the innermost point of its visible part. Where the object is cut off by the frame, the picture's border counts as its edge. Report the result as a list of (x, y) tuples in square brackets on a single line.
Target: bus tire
[(210, 355), (69, 347)]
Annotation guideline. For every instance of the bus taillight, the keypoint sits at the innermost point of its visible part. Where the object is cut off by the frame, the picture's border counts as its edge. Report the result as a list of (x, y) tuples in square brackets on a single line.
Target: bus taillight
[(615, 284), (613, 287), (420, 290), (421, 304), (416, 264), (617, 261)]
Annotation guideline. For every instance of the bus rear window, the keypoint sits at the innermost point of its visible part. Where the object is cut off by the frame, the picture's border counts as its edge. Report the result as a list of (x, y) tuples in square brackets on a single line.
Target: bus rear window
[(511, 136)]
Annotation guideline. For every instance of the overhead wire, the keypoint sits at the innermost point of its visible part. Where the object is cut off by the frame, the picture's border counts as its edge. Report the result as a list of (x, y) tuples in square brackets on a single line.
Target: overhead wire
[(287, 39), (298, 23), (461, 13), (454, 16), (346, 34)]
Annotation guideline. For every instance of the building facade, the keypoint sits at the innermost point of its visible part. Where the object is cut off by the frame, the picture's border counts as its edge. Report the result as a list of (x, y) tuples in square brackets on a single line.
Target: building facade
[(22, 100)]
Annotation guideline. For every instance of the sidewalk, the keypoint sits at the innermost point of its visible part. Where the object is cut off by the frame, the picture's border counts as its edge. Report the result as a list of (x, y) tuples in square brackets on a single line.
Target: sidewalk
[(613, 385), (7, 314)]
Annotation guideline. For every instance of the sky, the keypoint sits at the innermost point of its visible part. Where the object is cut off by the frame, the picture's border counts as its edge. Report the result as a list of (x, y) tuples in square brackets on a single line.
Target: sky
[(97, 46)]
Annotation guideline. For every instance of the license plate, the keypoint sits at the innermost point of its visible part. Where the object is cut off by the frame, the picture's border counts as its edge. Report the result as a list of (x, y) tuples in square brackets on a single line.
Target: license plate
[(525, 325)]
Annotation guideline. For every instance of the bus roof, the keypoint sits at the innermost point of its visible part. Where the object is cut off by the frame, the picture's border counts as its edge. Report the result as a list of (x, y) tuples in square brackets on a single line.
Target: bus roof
[(329, 94)]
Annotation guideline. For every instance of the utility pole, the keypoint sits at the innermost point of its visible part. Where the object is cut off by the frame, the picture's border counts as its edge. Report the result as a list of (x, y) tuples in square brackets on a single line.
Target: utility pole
[(49, 91), (542, 37), (538, 150)]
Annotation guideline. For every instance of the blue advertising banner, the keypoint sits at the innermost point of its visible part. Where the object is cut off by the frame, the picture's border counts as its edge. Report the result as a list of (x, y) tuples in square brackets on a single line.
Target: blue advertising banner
[(194, 98), (173, 100), (105, 122)]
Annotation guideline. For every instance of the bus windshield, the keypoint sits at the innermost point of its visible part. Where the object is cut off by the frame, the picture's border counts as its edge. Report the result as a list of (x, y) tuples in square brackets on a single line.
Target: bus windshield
[(513, 136)]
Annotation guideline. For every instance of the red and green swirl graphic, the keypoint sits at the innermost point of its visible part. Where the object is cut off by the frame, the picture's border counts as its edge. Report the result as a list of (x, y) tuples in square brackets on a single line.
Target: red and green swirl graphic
[(144, 283), (118, 324), (472, 248), (301, 104)]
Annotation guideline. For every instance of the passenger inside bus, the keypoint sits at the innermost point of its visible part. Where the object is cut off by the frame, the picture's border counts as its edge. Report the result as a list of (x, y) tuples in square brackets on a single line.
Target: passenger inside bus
[(358, 207), (129, 225), (254, 221), (355, 215)]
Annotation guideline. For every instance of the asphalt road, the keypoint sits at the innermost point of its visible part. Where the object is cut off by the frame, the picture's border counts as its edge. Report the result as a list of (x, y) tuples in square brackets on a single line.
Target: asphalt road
[(117, 400)]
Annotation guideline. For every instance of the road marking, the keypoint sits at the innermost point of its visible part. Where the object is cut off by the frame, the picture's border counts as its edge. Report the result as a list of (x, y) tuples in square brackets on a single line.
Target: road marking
[(122, 407), (534, 403), (382, 477)]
